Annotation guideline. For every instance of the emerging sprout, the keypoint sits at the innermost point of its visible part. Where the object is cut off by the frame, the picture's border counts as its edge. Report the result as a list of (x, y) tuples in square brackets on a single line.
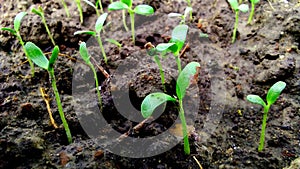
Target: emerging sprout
[(153, 100), (253, 3), (236, 7), (115, 42), (40, 12), (127, 5), (16, 32), (95, 6), (79, 10), (181, 16), (86, 57), (98, 27), (38, 57), (190, 11), (66, 8), (272, 96)]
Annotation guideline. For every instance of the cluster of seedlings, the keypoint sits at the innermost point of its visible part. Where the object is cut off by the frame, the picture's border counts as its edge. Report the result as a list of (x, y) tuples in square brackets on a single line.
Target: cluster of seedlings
[(179, 35)]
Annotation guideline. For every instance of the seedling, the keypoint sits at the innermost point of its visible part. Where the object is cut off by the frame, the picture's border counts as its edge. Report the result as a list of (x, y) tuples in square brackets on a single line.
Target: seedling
[(98, 27), (66, 8), (253, 3), (272, 96), (115, 42), (190, 11), (95, 6), (236, 7), (38, 57), (79, 10), (188, 75), (16, 32), (86, 57), (127, 5), (40, 12), (181, 16)]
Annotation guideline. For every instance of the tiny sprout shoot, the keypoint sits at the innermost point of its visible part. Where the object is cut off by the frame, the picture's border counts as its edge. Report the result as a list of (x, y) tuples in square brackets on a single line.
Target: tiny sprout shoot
[(127, 5), (40, 12), (66, 8), (253, 3), (115, 42), (272, 96), (16, 32), (86, 57), (79, 10), (94, 6), (38, 57), (153, 100), (190, 11), (236, 7), (98, 27), (182, 17), (99, 4)]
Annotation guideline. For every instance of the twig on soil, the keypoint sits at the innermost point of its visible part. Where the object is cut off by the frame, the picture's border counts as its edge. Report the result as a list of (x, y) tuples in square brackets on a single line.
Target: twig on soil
[(271, 5), (200, 166), (46, 99), (184, 50), (102, 70), (64, 55)]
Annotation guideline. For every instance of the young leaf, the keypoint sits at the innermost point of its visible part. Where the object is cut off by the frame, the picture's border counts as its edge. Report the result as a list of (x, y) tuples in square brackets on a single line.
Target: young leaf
[(256, 100), (152, 101), (184, 78), (113, 41), (234, 4), (244, 8), (127, 2), (117, 6), (172, 15), (187, 11), (36, 55), (100, 22), (164, 46), (12, 31), (275, 91), (144, 10), (18, 19), (85, 32), (38, 11), (84, 52), (90, 3), (54, 56), (178, 36)]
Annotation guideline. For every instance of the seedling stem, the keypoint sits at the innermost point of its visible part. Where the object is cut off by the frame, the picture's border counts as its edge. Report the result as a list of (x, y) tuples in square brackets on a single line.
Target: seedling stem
[(236, 23), (124, 19), (162, 75), (184, 128), (66, 8)]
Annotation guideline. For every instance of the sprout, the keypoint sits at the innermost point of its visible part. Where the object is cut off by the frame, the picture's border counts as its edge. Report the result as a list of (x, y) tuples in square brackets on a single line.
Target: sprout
[(66, 8), (38, 57), (181, 16), (253, 3), (153, 100), (272, 96), (95, 6), (16, 32), (79, 10), (115, 42), (98, 27)]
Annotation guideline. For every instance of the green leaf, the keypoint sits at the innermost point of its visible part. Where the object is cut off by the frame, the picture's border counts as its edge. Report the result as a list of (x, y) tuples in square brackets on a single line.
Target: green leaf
[(144, 10), (113, 41), (85, 32), (244, 8), (18, 19), (54, 56), (256, 100), (84, 52), (187, 11), (90, 3), (178, 36), (255, 1), (117, 6), (152, 101), (127, 2), (164, 46), (36, 55), (12, 31), (38, 11), (275, 91), (100, 22), (188, 74), (234, 4)]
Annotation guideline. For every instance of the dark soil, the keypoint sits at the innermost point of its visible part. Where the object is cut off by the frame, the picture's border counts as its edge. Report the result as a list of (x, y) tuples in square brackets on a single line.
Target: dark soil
[(224, 126)]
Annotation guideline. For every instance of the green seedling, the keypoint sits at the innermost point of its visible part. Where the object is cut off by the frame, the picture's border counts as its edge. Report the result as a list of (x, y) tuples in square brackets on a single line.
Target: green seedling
[(40, 12), (190, 11), (66, 8), (95, 6), (181, 16), (253, 3), (272, 96), (152, 101), (86, 57), (38, 57), (78, 3), (98, 27), (236, 7), (115, 42), (16, 32), (127, 5)]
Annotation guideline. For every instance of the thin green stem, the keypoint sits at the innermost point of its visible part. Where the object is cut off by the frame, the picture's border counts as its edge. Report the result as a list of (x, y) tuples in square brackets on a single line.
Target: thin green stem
[(162, 75), (101, 47), (235, 26), (184, 129), (26, 54), (47, 29), (97, 85), (178, 63), (251, 13), (60, 109), (124, 20), (101, 8), (79, 10), (66, 8), (191, 12), (131, 13), (263, 128)]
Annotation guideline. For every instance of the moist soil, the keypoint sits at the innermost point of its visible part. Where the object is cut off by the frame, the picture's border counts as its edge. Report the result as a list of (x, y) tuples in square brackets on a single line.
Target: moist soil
[(225, 128)]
